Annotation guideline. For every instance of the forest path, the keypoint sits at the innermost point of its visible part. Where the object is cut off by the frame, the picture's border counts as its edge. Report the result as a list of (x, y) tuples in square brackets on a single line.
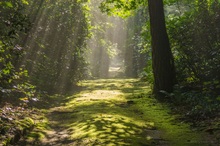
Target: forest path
[(114, 112)]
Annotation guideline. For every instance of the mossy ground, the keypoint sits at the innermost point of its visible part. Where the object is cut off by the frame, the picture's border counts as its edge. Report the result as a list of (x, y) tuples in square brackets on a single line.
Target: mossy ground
[(113, 112)]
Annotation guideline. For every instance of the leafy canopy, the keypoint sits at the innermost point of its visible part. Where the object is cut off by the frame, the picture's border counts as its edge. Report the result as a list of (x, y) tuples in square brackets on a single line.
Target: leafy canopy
[(122, 8)]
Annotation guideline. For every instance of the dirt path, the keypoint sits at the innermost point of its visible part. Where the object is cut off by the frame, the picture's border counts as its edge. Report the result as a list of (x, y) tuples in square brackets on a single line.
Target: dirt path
[(112, 113)]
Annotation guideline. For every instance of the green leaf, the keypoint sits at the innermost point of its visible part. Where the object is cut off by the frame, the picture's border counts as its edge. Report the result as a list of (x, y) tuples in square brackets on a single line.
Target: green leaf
[(207, 83), (10, 80), (25, 2), (6, 71), (218, 98), (9, 4)]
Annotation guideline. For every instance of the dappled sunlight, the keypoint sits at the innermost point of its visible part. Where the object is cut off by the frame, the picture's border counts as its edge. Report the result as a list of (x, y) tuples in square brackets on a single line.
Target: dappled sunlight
[(115, 84), (102, 114), (179, 133), (73, 73), (111, 129), (101, 98), (100, 95)]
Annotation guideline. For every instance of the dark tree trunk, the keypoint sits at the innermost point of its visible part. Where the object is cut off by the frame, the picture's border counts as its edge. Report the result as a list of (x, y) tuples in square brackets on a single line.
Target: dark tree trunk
[(163, 64)]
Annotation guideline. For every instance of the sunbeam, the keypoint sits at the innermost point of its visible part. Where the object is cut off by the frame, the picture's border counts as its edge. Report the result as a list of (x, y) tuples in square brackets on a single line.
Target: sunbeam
[(107, 43), (109, 72), (55, 43)]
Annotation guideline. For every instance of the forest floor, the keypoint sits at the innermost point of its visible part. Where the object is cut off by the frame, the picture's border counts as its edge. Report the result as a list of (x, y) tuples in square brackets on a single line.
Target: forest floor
[(111, 112)]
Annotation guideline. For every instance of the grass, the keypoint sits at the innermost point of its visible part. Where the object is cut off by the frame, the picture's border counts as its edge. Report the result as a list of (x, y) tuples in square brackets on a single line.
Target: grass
[(117, 112)]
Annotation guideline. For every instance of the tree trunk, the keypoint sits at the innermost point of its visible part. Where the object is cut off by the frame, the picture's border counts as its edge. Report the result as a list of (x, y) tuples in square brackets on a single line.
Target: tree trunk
[(163, 63)]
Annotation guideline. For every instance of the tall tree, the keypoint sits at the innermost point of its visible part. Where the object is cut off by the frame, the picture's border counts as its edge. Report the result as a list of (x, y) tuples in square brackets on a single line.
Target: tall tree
[(135, 51), (163, 63), (55, 46)]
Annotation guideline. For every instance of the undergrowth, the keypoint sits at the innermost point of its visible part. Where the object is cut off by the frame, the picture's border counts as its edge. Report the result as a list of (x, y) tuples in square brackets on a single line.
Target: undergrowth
[(199, 108)]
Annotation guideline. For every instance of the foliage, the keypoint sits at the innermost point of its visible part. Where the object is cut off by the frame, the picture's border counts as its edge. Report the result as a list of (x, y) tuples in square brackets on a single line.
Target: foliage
[(105, 42), (196, 105), (163, 65), (121, 8), (14, 23), (137, 45), (16, 122), (136, 49), (101, 55), (55, 46), (194, 35), (13, 20), (147, 73), (195, 40)]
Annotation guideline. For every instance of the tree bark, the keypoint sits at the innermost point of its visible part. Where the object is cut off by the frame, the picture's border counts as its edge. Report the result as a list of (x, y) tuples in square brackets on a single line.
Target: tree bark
[(162, 63)]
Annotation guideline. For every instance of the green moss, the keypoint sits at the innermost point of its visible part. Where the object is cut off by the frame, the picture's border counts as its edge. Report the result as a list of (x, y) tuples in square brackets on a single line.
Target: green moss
[(146, 112), (39, 131), (177, 133), (116, 112), (26, 123)]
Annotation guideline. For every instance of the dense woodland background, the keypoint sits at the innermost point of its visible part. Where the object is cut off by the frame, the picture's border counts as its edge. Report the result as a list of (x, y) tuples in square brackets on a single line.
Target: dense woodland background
[(48, 46)]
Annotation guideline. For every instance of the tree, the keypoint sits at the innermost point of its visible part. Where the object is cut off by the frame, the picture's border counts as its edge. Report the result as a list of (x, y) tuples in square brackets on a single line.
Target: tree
[(55, 46), (163, 63), (136, 52), (13, 24), (106, 42), (99, 43), (194, 36)]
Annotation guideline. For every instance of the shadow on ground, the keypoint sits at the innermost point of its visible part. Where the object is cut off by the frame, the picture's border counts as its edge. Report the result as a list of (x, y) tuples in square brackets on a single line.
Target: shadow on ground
[(111, 112)]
